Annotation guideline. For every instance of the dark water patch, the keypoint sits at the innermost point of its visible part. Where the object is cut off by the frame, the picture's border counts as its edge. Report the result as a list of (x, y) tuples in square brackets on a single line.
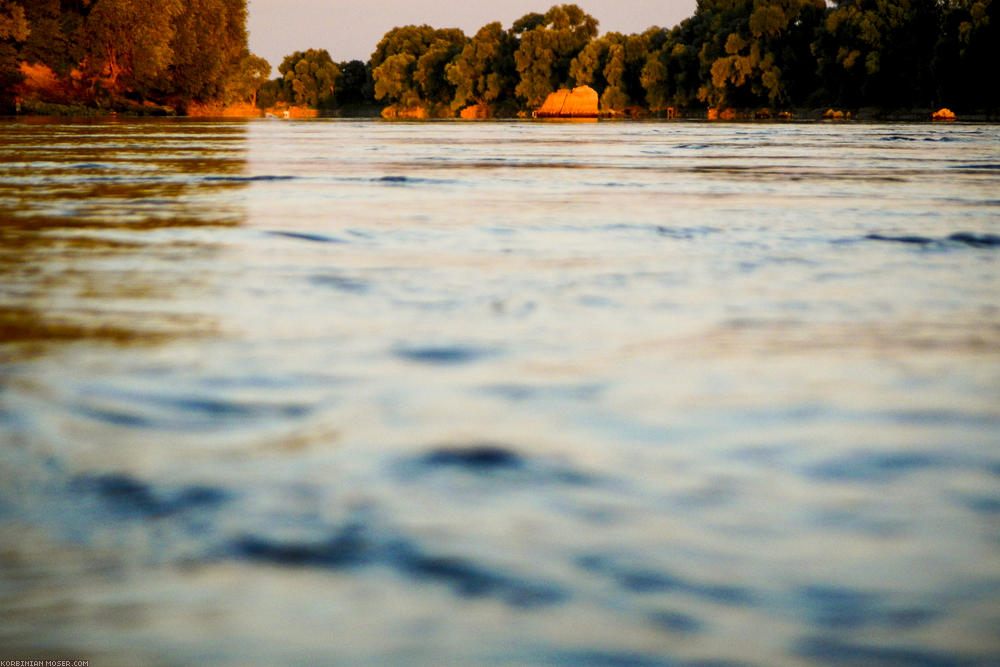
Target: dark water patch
[(349, 546), (306, 236), (411, 180), (644, 580), (115, 417), (248, 179), (906, 238), (525, 392), (361, 543), (149, 411), (985, 505), (499, 463), (468, 579), (977, 167), (857, 522), (478, 458), (606, 658), (964, 238), (897, 137), (875, 466), (275, 381), (832, 651), (841, 608), (340, 283), (127, 495), (676, 622), (441, 355), (684, 233), (976, 240)]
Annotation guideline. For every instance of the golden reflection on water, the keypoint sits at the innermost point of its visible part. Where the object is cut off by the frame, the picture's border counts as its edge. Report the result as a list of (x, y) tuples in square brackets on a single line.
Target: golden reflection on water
[(77, 203)]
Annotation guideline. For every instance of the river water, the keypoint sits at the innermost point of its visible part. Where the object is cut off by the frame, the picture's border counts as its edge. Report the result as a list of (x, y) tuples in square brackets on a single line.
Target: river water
[(356, 392)]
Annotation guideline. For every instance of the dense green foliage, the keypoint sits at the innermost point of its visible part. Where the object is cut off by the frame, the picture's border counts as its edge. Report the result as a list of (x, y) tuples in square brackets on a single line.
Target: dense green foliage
[(749, 54), (886, 54), (114, 53)]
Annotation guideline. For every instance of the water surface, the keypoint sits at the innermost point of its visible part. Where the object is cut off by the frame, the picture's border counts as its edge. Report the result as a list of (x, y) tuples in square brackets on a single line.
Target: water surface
[(441, 392)]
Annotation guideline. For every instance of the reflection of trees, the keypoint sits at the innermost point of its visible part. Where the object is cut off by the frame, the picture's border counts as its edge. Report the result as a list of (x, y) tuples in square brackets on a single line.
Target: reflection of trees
[(80, 211)]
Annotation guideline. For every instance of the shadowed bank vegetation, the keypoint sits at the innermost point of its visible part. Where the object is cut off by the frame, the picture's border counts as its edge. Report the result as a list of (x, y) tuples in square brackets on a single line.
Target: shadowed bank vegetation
[(881, 55), (126, 55)]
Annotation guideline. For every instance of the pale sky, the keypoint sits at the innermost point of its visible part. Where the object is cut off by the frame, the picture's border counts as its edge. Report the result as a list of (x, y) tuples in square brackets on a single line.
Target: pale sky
[(350, 29)]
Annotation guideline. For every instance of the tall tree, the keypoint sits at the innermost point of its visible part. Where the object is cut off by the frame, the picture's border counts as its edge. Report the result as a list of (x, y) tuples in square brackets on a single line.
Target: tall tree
[(312, 77), (966, 55), (484, 72), (759, 39), (354, 86), (251, 74), (547, 49), (879, 52), (613, 65), (129, 42), (209, 45), (13, 21), (14, 29), (409, 65)]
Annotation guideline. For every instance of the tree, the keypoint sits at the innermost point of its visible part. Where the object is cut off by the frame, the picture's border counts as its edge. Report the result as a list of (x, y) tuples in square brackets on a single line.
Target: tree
[(209, 48), (409, 65), (312, 77), (484, 71), (251, 74), (671, 76), (13, 30), (129, 42), (547, 49), (613, 65), (354, 86), (758, 39), (13, 22), (966, 54), (880, 52)]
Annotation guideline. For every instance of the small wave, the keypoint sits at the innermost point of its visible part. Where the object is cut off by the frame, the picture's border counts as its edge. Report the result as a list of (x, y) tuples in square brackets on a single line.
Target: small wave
[(348, 546), (896, 137), (354, 546), (470, 580), (985, 505), (410, 180), (906, 238), (965, 238), (977, 167), (306, 236), (497, 461), (676, 622), (476, 457), (839, 607), (444, 355), (612, 658), (875, 466), (161, 411), (831, 651), (340, 283), (642, 580), (127, 495), (976, 240), (248, 179)]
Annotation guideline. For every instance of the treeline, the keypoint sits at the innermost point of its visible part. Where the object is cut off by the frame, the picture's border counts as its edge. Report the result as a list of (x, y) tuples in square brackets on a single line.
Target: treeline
[(124, 53), (743, 54), (779, 54)]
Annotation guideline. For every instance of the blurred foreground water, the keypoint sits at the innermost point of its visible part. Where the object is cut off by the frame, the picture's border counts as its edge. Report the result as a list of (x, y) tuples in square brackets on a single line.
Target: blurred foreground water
[(508, 393)]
